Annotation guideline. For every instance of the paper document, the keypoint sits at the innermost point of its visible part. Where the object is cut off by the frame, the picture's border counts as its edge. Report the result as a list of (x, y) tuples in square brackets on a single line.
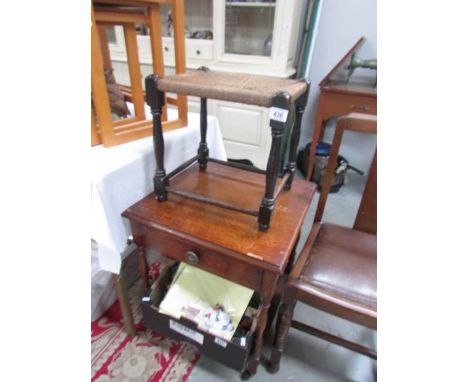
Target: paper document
[(215, 304)]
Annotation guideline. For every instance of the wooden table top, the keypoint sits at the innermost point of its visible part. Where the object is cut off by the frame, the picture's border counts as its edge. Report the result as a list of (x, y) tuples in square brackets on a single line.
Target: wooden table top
[(229, 232), (365, 89)]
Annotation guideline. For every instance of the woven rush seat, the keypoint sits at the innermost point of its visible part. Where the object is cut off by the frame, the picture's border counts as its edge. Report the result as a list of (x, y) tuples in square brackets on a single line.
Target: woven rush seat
[(233, 87), (285, 97)]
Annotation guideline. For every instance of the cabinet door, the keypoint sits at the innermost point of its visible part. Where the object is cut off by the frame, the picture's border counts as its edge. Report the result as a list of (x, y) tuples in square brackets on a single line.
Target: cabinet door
[(245, 130), (249, 27)]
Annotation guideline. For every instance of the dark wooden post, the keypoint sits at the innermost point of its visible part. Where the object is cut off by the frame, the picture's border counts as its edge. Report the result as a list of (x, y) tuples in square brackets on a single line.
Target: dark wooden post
[(203, 151), (155, 100), (278, 120), (267, 290), (284, 319), (300, 104)]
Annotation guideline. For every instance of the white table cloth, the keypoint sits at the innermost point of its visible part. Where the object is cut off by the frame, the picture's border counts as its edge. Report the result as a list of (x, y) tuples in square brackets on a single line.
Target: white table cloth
[(123, 174)]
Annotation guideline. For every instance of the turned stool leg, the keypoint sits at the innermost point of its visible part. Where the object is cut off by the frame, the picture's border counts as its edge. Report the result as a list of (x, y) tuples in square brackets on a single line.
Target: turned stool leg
[(278, 124), (295, 135), (155, 100), (283, 323), (203, 151)]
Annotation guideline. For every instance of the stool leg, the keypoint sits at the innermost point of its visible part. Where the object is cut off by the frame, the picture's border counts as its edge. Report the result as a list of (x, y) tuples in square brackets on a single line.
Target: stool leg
[(203, 151), (278, 121), (295, 135), (155, 100)]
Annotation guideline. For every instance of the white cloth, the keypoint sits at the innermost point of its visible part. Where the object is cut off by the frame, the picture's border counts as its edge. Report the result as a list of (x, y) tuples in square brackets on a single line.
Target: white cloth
[(103, 292), (122, 175)]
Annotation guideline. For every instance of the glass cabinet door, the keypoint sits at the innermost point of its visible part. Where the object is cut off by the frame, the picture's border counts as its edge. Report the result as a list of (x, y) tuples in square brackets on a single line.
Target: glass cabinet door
[(198, 19), (249, 27)]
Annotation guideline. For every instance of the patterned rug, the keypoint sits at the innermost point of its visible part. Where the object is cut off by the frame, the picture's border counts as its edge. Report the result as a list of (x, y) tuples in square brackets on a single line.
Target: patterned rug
[(115, 356)]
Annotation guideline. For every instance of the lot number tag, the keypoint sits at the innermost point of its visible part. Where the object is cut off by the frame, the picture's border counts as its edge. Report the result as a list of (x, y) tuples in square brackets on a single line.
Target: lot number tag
[(220, 342), (187, 332), (277, 114)]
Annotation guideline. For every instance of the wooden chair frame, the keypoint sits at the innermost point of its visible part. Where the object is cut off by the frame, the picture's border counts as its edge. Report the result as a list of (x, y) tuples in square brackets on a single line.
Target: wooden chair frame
[(364, 222), (362, 123), (106, 131)]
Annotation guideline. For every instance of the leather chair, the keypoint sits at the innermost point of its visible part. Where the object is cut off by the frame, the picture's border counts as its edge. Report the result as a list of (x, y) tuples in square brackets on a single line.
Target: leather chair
[(337, 269)]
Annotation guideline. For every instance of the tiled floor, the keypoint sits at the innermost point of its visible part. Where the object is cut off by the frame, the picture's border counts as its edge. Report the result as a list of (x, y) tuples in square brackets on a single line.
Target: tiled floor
[(307, 358)]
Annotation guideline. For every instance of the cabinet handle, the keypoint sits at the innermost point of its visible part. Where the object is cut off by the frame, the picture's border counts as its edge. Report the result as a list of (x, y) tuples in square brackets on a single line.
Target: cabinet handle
[(191, 258), (198, 52), (360, 107), (166, 49)]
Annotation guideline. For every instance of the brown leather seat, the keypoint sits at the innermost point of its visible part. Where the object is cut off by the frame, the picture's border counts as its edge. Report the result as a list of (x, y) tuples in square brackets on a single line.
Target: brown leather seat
[(342, 270)]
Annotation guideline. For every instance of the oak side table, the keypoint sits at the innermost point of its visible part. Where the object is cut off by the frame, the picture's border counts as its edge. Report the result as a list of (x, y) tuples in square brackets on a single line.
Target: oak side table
[(223, 241)]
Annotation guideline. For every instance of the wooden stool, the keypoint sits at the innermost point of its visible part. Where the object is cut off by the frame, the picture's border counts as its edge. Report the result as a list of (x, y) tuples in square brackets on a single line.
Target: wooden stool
[(276, 93), (337, 270)]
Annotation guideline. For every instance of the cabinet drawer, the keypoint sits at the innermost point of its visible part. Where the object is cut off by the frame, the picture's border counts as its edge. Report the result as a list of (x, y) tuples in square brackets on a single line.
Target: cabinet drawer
[(199, 256), (168, 48), (199, 51), (338, 104), (230, 353)]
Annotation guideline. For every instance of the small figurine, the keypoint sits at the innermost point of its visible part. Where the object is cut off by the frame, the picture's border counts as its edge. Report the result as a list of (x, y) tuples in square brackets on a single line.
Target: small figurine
[(170, 24), (218, 320)]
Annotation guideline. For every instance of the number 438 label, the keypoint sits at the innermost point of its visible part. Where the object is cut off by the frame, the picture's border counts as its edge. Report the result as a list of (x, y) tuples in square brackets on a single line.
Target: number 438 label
[(277, 114)]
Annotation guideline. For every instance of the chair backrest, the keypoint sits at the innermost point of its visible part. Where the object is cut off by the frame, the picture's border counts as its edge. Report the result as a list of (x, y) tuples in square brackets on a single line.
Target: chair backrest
[(366, 219), (129, 14)]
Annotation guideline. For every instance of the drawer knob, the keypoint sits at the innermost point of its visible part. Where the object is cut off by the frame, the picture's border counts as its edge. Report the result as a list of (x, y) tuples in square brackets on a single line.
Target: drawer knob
[(166, 49), (198, 51), (191, 258)]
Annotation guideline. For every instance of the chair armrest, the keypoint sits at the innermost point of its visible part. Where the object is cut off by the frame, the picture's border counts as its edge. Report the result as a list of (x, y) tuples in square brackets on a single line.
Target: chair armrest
[(305, 253), (363, 123)]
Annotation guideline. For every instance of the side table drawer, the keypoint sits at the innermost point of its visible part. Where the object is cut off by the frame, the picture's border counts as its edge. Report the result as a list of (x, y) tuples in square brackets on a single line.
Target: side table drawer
[(194, 254)]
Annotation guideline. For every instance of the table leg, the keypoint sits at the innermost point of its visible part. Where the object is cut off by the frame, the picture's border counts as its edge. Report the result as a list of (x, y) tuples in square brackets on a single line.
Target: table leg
[(285, 316), (267, 291), (143, 267), (323, 124), (280, 285), (124, 302)]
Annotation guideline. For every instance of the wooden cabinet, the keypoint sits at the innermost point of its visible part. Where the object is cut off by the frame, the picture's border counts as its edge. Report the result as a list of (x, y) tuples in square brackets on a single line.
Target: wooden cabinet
[(256, 37), (245, 131)]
